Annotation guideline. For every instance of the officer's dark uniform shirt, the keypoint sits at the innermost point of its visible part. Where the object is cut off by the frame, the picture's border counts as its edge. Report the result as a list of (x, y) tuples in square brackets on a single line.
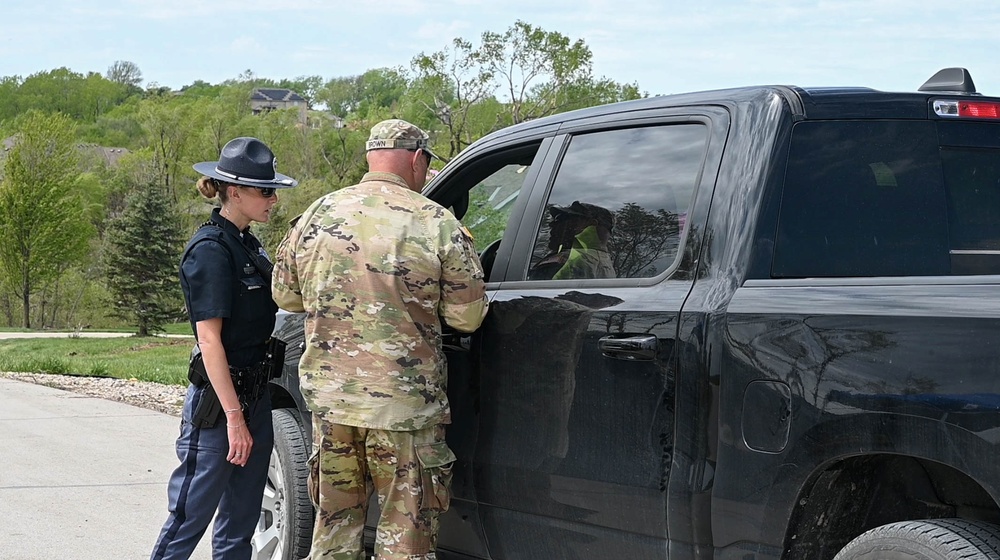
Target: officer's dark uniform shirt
[(217, 283)]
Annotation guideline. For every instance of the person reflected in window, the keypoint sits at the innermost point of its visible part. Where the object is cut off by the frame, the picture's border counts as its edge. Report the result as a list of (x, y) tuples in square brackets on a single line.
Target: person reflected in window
[(578, 244)]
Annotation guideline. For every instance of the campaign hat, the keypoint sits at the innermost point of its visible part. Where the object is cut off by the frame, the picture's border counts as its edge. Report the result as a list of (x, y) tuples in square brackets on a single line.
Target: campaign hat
[(246, 161)]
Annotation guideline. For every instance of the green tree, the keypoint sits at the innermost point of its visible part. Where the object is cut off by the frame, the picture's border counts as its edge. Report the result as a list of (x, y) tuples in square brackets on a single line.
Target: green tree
[(143, 249), (98, 96), (531, 72), (375, 90), (11, 106), (168, 129), (219, 119), (201, 88), (279, 129), (543, 72), (460, 72), (532, 65), (341, 95), (306, 86), (118, 127), (83, 98), (44, 231), (126, 74), (342, 150)]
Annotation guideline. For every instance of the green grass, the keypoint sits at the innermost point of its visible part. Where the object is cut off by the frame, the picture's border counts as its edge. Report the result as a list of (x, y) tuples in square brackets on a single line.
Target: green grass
[(173, 328), (177, 328), (163, 360)]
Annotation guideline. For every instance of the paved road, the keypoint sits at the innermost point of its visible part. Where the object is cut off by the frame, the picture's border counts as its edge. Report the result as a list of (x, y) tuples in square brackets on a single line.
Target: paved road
[(81, 477)]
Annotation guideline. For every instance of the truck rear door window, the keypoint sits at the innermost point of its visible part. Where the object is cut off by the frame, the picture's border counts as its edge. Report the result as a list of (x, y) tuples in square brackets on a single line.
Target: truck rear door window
[(883, 198), (972, 181)]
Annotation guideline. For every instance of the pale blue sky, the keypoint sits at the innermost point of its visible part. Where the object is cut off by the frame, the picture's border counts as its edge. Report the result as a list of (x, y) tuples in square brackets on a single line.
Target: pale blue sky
[(666, 46)]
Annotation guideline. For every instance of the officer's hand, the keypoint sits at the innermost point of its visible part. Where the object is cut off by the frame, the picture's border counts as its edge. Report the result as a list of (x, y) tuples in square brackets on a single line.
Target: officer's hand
[(240, 443)]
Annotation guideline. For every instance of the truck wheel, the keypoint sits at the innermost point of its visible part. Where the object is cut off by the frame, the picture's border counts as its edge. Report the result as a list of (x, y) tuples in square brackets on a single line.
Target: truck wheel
[(284, 531), (929, 539)]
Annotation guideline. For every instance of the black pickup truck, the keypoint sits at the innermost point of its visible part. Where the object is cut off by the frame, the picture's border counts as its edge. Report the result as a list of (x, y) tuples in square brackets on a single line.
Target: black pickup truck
[(789, 347)]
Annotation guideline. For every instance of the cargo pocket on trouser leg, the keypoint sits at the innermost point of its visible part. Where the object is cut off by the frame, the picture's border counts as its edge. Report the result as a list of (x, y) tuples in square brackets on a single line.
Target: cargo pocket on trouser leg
[(312, 481), (436, 461)]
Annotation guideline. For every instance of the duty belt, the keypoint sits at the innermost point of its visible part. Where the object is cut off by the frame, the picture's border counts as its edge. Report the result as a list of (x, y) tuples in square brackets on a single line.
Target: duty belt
[(250, 383)]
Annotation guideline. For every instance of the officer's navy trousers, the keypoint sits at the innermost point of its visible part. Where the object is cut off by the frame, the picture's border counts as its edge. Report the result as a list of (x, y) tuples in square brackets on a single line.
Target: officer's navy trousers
[(205, 482)]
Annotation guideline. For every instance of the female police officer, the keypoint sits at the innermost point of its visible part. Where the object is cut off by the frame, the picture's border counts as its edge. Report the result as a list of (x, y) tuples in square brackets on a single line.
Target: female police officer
[(226, 435)]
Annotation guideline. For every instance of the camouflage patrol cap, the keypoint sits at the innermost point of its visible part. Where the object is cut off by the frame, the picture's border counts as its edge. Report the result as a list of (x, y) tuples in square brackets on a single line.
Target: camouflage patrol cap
[(395, 134), (599, 215)]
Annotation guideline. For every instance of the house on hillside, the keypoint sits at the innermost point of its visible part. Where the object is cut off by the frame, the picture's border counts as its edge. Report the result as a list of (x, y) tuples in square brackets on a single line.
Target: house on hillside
[(109, 156), (263, 100), (323, 119)]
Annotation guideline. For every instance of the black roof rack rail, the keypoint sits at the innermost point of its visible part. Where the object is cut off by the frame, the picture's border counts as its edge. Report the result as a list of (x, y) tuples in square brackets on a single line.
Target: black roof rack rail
[(954, 80)]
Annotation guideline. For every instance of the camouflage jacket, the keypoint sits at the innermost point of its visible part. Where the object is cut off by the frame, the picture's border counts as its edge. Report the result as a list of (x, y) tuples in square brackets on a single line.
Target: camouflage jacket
[(374, 266)]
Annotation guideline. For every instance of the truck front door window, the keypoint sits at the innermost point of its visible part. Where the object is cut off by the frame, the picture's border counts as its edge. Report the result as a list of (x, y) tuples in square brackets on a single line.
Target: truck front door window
[(490, 204), (619, 204)]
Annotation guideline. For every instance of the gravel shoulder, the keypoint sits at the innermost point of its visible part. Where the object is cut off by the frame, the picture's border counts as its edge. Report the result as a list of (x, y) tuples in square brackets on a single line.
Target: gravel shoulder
[(168, 399)]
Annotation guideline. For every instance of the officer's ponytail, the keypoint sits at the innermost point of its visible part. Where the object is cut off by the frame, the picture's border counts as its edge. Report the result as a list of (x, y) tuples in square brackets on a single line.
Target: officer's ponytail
[(210, 188)]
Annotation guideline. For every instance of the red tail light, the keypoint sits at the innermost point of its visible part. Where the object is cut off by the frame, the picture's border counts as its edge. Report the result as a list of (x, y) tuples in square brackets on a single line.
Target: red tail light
[(968, 109), (980, 109)]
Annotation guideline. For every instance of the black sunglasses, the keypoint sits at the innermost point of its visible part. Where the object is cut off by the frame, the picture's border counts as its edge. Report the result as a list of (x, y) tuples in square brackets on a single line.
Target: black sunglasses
[(266, 192), (426, 154)]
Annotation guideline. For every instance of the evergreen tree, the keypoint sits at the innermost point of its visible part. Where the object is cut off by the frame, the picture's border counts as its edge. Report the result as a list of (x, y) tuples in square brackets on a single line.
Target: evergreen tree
[(144, 245)]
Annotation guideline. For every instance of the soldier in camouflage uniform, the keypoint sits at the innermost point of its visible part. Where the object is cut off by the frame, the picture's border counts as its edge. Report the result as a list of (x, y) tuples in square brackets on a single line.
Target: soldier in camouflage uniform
[(376, 266)]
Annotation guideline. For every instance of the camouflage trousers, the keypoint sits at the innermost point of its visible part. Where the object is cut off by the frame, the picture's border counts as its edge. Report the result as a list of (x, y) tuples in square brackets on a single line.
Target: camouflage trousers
[(409, 471)]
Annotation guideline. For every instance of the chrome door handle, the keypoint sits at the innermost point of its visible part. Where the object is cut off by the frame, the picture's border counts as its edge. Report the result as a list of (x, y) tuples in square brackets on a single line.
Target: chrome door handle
[(632, 347)]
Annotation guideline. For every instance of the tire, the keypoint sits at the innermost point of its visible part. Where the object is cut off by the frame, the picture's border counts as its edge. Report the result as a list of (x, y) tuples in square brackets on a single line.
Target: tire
[(284, 531), (929, 539)]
